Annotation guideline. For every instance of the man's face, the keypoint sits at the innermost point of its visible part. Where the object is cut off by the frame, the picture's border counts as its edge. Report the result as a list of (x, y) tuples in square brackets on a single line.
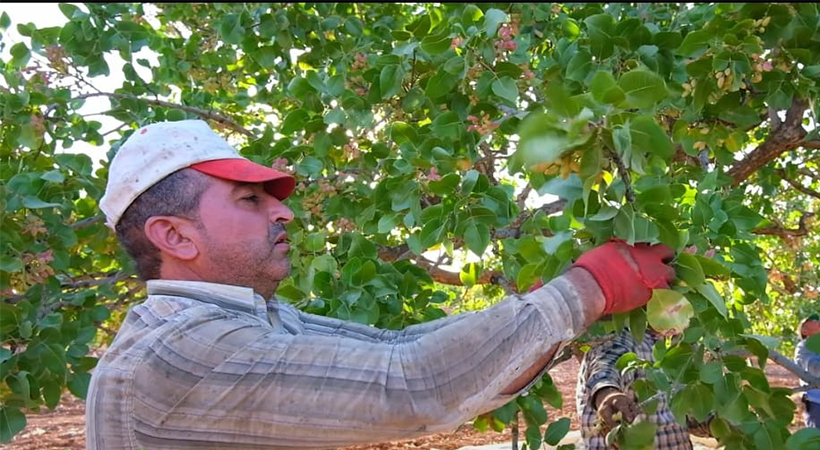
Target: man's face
[(810, 328), (242, 236)]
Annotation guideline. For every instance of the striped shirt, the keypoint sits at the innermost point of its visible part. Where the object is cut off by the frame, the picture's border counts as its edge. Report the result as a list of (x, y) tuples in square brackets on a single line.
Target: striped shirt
[(598, 371), (208, 366)]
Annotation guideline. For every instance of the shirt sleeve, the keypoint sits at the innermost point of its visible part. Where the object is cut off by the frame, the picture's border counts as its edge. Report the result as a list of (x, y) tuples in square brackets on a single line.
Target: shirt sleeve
[(231, 383), (601, 360), (807, 359)]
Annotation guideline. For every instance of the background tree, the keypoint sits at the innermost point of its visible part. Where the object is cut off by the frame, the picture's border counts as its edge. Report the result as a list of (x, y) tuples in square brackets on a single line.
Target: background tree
[(434, 127)]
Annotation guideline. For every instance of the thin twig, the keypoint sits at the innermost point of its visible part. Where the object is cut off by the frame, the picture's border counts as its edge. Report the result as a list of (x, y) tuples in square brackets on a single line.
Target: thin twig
[(624, 172), (228, 122), (87, 222)]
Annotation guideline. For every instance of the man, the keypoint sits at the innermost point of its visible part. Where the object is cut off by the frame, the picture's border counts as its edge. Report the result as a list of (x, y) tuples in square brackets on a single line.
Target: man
[(602, 391), (810, 362), (211, 360)]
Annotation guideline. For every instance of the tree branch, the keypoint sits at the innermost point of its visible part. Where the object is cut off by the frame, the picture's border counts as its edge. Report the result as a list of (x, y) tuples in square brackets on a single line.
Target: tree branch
[(87, 222), (112, 278), (796, 185), (774, 119), (210, 115), (785, 233), (390, 254), (624, 172), (82, 282), (787, 136), (452, 278)]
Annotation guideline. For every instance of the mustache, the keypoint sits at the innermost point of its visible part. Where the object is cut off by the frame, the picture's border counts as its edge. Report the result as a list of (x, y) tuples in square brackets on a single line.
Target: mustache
[(274, 230)]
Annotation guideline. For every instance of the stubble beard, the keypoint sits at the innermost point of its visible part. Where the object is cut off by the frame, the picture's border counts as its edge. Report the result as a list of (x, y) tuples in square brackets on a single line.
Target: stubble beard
[(252, 264)]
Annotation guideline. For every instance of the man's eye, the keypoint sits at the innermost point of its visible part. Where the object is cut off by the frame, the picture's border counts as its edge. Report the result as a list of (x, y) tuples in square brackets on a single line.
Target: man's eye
[(251, 198)]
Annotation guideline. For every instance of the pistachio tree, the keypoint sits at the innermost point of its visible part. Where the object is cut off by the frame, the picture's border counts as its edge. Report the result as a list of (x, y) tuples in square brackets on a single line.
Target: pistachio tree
[(504, 138)]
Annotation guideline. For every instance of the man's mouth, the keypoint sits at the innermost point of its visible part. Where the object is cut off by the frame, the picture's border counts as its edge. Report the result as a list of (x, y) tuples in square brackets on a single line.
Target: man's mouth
[(281, 239)]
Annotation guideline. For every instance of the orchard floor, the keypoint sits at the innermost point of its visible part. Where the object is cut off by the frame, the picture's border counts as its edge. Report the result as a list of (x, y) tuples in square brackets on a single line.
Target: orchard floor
[(64, 427)]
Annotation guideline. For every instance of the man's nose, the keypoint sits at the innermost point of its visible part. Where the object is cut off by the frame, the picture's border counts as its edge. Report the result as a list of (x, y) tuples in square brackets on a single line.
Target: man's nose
[(279, 212)]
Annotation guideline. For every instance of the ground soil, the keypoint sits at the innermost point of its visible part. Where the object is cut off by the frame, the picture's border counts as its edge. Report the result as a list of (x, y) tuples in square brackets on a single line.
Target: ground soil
[(64, 427)]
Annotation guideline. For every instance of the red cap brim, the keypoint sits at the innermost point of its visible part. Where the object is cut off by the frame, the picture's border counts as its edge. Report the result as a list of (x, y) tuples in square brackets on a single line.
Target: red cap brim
[(278, 184)]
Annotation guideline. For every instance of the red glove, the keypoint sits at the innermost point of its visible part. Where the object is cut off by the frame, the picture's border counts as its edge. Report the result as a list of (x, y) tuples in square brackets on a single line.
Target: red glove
[(628, 284)]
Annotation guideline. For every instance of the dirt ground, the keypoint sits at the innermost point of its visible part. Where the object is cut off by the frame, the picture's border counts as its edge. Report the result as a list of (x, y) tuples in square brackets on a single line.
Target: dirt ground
[(64, 427)]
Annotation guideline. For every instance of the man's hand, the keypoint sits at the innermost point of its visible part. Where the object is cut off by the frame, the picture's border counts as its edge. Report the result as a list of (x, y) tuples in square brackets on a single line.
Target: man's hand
[(627, 274), (615, 406)]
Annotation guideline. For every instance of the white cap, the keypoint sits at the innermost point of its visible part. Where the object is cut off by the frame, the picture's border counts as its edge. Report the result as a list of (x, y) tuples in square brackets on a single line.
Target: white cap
[(155, 151)]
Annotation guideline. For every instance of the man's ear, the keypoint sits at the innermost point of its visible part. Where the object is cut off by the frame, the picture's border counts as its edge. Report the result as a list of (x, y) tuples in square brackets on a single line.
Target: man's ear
[(174, 236)]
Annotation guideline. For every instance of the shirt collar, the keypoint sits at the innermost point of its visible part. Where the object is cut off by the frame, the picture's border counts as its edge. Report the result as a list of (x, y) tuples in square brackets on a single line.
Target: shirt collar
[(227, 296)]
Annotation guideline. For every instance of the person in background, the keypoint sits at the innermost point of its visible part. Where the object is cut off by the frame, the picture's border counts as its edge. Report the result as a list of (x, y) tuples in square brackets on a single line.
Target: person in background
[(810, 362), (602, 391)]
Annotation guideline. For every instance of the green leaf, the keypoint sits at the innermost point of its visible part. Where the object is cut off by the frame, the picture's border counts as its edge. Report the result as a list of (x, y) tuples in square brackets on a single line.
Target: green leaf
[(294, 121), (667, 39), (477, 237), (492, 19), (446, 185), (506, 88), (437, 44), (560, 102), (5, 21), (712, 268), (766, 438), (10, 263), (52, 391), (605, 213), (32, 202), (709, 291), (335, 115), (20, 53), (469, 274), (447, 125), (711, 372), (694, 43), (648, 136), (643, 89), (265, 56), (68, 10), (688, 269), (440, 84), (231, 29), (454, 65), (299, 87), (471, 14), (640, 435), (556, 431), (601, 29), (579, 66), (813, 343), (623, 142), (533, 436), (668, 310), (12, 421), (390, 80), (805, 439), (605, 89), (543, 140), (78, 384)]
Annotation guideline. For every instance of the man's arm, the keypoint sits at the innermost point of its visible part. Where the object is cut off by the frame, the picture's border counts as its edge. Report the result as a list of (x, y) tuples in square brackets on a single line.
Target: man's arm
[(807, 359), (327, 326), (224, 381), (605, 391), (602, 376)]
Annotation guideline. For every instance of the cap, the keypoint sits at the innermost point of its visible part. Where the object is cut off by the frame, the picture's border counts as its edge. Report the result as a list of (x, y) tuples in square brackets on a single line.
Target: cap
[(155, 151)]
